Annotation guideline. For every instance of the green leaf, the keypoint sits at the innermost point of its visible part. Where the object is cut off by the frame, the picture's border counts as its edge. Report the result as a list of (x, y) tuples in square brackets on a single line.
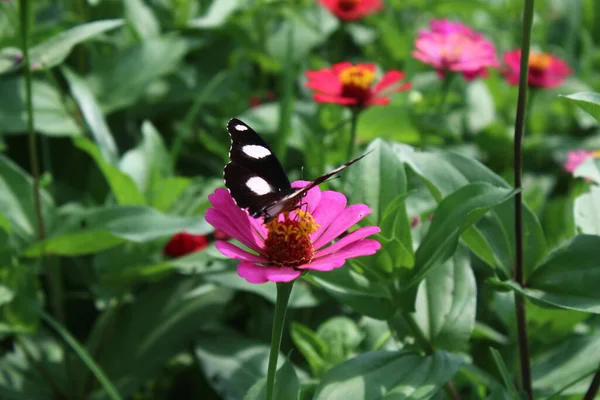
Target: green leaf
[(54, 50), (446, 303), (10, 59), (571, 360), (287, 385), (232, 363), (162, 321), (217, 14), (589, 102), (22, 312), (17, 204), (356, 291), (312, 347), (570, 276), (587, 212), (91, 230), (382, 374), (51, 116), (92, 114), (342, 338), (122, 186), (454, 215), (589, 169), (120, 79), (141, 19), (392, 122), (506, 377), (481, 111)]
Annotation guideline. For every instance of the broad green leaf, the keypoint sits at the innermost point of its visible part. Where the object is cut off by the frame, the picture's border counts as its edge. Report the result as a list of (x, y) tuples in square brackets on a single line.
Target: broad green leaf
[(287, 385), (141, 19), (91, 230), (457, 212), (313, 348), (587, 212), (394, 375), (392, 122), (92, 114), (342, 338), (54, 50), (481, 111), (162, 321), (571, 360), (356, 291), (446, 303), (10, 59), (120, 79), (17, 204), (51, 116), (217, 14), (570, 276), (166, 192), (232, 363), (22, 313), (122, 186), (307, 31), (589, 102), (589, 169), (301, 296)]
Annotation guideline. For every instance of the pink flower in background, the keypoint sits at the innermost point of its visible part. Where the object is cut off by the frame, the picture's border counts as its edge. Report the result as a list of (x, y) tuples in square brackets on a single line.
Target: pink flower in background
[(296, 242), (545, 70), (455, 47), (352, 10), (575, 158)]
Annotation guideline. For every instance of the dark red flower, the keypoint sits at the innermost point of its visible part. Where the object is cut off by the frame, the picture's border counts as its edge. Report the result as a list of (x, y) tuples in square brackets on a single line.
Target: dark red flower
[(352, 85), (352, 10), (545, 70), (254, 101), (185, 243)]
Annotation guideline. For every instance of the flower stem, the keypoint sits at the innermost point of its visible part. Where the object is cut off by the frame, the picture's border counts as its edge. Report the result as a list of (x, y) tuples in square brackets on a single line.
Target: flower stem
[(518, 272), (353, 125), (594, 386), (445, 90), (284, 289)]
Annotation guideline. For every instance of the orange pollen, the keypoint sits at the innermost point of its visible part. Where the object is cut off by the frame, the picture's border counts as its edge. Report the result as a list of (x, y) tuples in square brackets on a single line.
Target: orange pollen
[(539, 61), (348, 5), (357, 76), (288, 242)]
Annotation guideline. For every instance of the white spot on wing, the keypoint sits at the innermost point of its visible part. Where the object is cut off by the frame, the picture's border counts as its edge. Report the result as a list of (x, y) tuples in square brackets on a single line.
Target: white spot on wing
[(259, 186), (256, 151), (241, 128)]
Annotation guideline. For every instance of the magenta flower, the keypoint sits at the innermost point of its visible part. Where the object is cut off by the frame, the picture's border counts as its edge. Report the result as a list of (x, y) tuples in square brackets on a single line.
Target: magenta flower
[(454, 47), (576, 158), (290, 245)]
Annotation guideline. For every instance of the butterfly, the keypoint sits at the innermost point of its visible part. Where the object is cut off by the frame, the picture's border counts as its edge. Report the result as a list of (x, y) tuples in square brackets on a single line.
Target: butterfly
[(256, 179)]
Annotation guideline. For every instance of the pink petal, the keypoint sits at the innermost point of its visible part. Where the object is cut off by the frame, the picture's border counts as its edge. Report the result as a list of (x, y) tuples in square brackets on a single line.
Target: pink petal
[(388, 79), (281, 274), (312, 198), (251, 272), (365, 247), (232, 251), (349, 239), (342, 223), (239, 229), (326, 98), (331, 204), (327, 264)]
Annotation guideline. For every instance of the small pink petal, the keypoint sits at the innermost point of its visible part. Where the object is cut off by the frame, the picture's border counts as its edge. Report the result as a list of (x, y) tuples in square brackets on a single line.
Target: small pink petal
[(365, 247), (281, 274), (388, 79), (331, 204), (239, 229), (326, 264), (349, 239), (346, 219), (312, 198), (251, 272), (232, 251)]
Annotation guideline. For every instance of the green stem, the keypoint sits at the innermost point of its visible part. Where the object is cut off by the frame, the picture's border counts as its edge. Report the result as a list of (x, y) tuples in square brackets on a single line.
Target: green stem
[(353, 125), (524, 356), (594, 386), (284, 289), (445, 90)]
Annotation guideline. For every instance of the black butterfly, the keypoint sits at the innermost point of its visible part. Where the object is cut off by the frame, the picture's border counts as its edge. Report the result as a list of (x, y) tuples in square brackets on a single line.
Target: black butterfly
[(255, 177)]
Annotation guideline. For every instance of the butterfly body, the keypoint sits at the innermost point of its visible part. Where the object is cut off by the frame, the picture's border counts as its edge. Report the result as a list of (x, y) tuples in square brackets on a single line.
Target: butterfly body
[(256, 179)]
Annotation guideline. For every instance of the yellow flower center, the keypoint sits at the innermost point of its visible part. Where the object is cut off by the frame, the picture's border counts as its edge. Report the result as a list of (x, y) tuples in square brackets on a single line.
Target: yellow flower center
[(348, 5), (539, 61), (596, 153), (357, 76), (288, 241)]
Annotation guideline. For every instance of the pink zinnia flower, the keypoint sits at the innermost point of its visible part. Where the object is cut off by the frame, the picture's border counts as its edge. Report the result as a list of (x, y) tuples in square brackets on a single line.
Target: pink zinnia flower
[(545, 70), (352, 85), (295, 242), (577, 157), (454, 47), (352, 10)]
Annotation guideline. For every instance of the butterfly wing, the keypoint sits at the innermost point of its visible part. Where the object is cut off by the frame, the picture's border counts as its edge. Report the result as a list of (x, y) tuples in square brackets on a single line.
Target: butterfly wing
[(255, 176)]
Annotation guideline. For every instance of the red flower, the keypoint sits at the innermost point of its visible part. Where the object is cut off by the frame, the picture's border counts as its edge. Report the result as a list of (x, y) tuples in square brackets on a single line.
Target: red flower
[(351, 85), (352, 10), (185, 243), (545, 70), (254, 101)]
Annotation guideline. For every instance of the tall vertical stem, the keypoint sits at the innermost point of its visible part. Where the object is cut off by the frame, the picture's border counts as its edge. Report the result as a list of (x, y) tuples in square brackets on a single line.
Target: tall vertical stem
[(518, 272), (353, 124), (284, 289)]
